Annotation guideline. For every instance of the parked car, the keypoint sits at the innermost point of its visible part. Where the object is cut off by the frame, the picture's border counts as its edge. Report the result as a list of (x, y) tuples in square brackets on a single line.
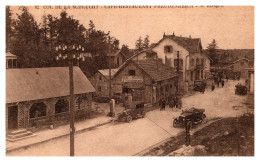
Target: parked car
[(196, 116), (199, 85), (241, 89), (137, 110)]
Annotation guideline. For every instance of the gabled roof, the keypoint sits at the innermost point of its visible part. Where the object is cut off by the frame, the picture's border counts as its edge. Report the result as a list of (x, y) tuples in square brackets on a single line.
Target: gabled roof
[(27, 84), (154, 68), (241, 59), (192, 45), (117, 52), (149, 51), (10, 55), (105, 72)]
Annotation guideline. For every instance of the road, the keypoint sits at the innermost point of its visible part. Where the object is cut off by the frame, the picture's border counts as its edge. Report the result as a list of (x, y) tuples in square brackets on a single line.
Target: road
[(127, 139)]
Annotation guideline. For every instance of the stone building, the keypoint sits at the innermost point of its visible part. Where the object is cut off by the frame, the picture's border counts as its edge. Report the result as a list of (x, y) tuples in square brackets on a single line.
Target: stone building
[(37, 96)]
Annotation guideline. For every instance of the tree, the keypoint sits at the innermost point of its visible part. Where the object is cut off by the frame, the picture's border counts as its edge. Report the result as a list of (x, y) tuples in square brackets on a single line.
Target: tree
[(27, 38), (212, 49), (146, 42), (9, 31), (139, 44)]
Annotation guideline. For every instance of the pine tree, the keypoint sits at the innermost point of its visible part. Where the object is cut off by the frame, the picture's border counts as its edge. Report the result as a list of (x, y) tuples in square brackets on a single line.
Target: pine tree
[(139, 44), (146, 42), (212, 49), (9, 31)]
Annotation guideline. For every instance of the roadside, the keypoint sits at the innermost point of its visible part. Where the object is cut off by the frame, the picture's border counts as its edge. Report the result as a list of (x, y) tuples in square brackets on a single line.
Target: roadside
[(225, 137)]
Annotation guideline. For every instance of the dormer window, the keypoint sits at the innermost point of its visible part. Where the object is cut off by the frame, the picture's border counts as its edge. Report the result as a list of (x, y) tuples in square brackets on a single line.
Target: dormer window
[(168, 49)]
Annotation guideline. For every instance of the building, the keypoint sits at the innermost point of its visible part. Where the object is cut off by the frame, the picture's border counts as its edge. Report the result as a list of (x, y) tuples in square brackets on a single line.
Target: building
[(250, 79), (233, 69), (11, 60), (147, 80), (193, 64), (100, 82), (37, 96)]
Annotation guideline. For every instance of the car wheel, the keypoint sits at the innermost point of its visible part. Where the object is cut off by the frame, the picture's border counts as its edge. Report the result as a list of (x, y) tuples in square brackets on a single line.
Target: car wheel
[(143, 114), (129, 119), (203, 118)]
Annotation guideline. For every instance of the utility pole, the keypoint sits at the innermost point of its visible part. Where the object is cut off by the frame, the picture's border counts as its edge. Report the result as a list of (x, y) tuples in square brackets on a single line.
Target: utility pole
[(178, 69), (111, 113), (72, 128)]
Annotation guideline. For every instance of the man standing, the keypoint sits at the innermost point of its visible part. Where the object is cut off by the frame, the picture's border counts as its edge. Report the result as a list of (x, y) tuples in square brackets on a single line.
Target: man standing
[(212, 87)]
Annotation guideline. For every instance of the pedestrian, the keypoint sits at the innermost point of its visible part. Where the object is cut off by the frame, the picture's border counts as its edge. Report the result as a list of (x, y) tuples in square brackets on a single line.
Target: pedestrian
[(163, 103), (171, 104), (218, 82), (222, 83), (227, 78), (179, 103), (212, 87)]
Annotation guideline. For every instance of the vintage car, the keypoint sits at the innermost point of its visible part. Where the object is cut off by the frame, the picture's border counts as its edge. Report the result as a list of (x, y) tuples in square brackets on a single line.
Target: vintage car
[(137, 110), (241, 89), (196, 116), (199, 85)]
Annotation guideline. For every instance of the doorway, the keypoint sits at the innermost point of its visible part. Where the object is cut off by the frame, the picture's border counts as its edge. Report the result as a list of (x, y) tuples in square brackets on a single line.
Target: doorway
[(12, 117)]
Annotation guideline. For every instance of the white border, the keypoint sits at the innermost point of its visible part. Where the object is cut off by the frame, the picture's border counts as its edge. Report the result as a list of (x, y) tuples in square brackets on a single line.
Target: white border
[(126, 2)]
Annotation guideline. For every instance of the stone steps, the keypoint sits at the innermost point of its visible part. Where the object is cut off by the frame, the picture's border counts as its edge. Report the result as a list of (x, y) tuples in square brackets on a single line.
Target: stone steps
[(19, 134)]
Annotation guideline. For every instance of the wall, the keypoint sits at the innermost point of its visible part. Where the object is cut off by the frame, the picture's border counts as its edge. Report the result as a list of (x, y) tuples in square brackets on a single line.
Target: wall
[(241, 68), (103, 83), (24, 120), (159, 49)]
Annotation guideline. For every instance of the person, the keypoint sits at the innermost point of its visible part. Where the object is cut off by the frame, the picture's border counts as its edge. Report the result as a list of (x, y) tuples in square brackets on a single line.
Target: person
[(202, 90), (163, 104), (212, 87), (179, 103), (222, 83), (227, 78), (171, 104)]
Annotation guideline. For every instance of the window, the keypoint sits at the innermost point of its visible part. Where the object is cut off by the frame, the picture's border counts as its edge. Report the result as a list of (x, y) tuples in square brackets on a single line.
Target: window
[(99, 89), (192, 62), (10, 64), (38, 110), (117, 60), (100, 78), (131, 72), (202, 61), (168, 49), (197, 61), (201, 74), (61, 106)]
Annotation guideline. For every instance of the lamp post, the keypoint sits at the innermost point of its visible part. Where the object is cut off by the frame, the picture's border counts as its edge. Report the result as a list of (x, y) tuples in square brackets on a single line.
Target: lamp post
[(70, 52), (178, 69)]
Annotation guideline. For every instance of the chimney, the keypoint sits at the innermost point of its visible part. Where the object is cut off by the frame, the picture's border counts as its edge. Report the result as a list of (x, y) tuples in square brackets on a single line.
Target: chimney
[(190, 36), (164, 35), (180, 35), (173, 34)]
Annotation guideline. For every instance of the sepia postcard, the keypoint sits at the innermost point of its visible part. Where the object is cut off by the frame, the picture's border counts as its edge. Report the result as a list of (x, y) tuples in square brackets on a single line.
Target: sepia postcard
[(133, 80)]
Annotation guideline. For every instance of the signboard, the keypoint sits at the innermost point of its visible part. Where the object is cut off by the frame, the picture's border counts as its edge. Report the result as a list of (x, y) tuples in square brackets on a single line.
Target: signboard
[(133, 85), (138, 79)]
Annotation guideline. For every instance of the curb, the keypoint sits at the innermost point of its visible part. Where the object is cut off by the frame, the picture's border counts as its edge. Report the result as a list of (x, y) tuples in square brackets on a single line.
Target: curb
[(57, 137)]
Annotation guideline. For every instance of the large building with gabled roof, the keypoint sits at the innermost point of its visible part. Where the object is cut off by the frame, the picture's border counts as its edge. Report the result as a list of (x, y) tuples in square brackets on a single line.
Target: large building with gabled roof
[(36, 96)]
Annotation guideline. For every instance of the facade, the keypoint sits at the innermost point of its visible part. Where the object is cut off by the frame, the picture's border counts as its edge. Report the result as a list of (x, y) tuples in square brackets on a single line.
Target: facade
[(234, 69), (190, 50), (148, 80), (100, 82), (11, 61), (250, 80), (117, 58), (38, 96)]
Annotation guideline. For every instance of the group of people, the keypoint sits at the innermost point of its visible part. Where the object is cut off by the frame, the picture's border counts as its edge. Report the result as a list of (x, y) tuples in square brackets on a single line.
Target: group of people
[(217, 82), (172, 101)]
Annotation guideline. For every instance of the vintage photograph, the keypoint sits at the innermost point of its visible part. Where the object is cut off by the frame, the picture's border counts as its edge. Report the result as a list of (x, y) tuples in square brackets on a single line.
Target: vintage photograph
[(130, 81)]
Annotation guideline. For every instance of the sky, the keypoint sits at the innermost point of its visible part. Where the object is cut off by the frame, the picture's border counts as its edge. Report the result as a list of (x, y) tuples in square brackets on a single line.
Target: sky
[(231, 26)]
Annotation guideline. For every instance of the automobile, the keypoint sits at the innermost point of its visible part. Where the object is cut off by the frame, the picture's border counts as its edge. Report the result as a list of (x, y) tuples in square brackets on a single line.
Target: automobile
[(199, 85), (136, 111), (241, 89), (195, 115)]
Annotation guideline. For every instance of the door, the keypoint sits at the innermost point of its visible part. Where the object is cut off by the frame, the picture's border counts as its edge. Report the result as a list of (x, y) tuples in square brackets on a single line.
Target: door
[(12, 117)]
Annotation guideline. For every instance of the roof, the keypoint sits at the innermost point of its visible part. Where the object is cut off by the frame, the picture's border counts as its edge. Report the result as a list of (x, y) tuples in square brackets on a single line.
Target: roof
[(10, 55), (105, 72), (190, 44), (149, 51), (154, 68), (115, 53), (40, 83), (224, 65), (240, 60)]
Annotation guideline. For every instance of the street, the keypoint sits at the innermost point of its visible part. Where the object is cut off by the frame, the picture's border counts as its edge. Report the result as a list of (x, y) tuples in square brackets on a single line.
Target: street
[(127, 139)]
